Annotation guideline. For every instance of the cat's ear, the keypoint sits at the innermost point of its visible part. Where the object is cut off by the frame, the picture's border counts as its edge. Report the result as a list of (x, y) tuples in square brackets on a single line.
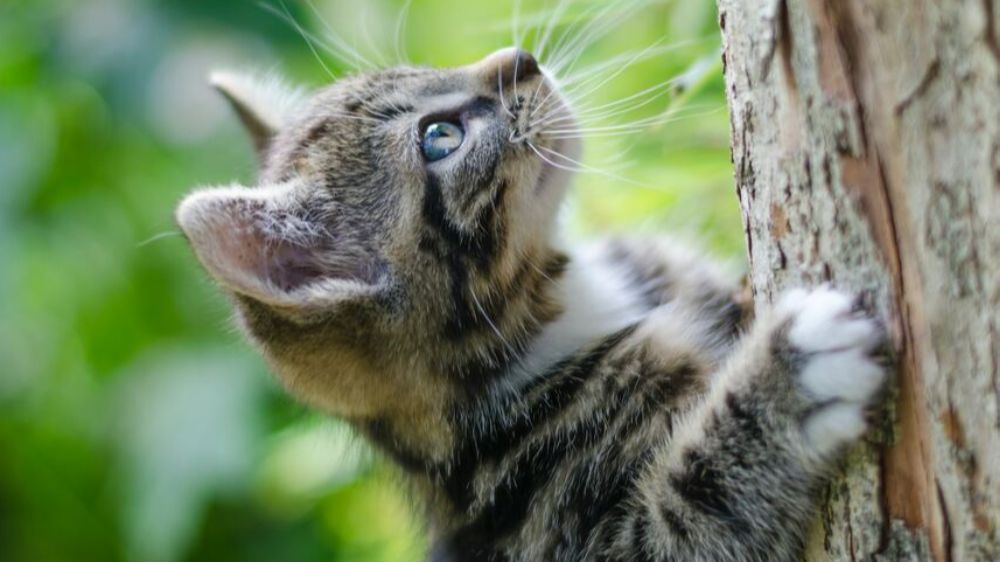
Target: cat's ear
[(258, 243), (263, 103)]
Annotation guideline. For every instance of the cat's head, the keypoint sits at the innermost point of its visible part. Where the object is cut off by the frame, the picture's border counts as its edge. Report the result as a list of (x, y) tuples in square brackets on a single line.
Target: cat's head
[(392, 209)]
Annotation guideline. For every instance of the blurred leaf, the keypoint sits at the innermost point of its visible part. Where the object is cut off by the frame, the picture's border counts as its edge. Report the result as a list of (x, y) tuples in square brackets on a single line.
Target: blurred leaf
[(188, 426)]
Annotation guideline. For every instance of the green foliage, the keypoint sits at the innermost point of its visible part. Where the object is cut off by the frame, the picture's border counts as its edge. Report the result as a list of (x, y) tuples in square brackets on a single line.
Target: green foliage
[(134, 423)]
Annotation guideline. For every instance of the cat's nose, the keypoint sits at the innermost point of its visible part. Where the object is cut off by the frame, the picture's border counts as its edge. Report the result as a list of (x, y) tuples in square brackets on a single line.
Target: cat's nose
[(509, 65)]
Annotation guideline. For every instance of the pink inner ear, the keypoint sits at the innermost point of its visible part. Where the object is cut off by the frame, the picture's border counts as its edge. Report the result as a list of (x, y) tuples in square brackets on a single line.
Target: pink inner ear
[(290, 267), (268, 259), (258, 249)]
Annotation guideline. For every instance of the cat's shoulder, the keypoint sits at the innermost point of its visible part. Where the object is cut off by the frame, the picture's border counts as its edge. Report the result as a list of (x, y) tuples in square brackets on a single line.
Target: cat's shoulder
[(693, 304), (663, 269)]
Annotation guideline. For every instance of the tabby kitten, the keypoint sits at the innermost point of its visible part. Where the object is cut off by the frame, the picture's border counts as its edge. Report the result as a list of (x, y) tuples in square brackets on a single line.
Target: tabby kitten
[(398, 266)]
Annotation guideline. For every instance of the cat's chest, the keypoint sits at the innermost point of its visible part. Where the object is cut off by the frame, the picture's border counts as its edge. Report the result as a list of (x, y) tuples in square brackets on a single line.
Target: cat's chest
[(566, 486)]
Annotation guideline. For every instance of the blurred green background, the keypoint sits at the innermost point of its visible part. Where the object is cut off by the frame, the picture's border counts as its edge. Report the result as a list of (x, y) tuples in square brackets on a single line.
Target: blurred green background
[(134, 422)]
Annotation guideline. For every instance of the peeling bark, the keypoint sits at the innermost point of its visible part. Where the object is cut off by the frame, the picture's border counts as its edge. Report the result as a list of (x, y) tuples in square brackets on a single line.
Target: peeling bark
[(866, 151)]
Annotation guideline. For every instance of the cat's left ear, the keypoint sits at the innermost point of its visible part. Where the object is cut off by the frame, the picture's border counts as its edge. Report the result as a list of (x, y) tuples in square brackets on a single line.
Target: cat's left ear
[(261, 243), (264, 104)]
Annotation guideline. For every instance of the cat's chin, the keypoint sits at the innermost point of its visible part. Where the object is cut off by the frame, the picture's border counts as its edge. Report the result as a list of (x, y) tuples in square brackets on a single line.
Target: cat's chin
[(556, 175)]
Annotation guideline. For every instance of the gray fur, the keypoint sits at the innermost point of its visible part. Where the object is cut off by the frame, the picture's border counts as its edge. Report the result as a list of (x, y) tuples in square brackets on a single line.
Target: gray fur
[(409, 298)]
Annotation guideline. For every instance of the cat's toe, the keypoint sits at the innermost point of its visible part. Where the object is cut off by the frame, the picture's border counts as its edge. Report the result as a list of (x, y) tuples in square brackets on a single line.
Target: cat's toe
[(836, 340), (825, 319), (838, 373), (850, 375), (832, 427)]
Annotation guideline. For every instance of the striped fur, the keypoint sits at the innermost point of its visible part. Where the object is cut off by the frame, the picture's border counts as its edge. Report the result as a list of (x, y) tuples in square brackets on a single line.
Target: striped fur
[(545, 403)]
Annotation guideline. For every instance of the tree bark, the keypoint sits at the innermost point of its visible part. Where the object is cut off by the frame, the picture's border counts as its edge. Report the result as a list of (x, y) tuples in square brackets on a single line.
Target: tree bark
[(866, 147)]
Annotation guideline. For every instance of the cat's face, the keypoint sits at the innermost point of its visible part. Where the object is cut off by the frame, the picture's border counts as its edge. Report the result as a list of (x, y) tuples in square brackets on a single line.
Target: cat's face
[(386, 203)]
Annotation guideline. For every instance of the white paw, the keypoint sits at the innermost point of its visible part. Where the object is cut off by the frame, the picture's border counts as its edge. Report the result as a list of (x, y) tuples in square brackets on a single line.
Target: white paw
[(839, 372), (824, 321), (834, 426)]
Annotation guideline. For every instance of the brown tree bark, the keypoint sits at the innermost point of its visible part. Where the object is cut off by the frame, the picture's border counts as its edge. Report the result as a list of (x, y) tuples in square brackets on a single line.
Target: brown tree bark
[(866, 146)]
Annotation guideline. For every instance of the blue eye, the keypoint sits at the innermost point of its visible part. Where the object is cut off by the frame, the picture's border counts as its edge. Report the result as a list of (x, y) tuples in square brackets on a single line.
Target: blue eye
[(441, 139)]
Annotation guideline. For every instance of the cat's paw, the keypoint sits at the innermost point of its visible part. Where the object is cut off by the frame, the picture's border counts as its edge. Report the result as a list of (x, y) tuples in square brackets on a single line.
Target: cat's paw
[(839, 375)]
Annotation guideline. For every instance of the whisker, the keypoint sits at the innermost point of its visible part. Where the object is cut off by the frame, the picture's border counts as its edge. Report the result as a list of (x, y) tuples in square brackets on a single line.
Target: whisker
[(550, 162), (651, 51), (613, 75), (401, 21), (622, 130), (616, 159), (516, 37), (652, 118), (589, 169), (338, 42), (602, 22), (374, 49), (493, 326), (158, 237), (613, 108), (535, 20), (550, 27), (630, 58), (575, 31), (576, 166), (311, 38), (287, 17)]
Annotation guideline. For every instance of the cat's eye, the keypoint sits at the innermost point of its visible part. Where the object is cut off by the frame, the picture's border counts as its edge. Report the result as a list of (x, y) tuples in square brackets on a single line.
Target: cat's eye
[(441, 139)]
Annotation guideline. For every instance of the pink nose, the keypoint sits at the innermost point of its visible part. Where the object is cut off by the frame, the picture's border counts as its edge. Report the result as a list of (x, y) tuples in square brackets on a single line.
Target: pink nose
[(510, 64)]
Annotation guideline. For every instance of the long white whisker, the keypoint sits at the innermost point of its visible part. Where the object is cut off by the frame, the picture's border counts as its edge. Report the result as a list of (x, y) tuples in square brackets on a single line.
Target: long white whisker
[(651, 51), (576, 31), (401, 21), (550, 27), (489, 321), (626, 129), (517, 39), (631, 127), (611, 109), (286, 15), (565, 52), (550, 162), (576, 166), (542, 42), (311, 37), (374, 49), (597, 27), (158, 237), (334, 38), (574, 92), (630, 58), (517, 62), (611, 76)]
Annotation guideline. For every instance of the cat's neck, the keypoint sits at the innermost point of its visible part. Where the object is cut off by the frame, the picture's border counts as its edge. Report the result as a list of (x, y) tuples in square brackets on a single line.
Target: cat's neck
[(596, 299), (591, 299)]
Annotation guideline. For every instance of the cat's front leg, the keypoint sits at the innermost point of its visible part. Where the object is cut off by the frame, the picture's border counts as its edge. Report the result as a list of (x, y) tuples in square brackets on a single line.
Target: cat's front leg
[(738, 480)]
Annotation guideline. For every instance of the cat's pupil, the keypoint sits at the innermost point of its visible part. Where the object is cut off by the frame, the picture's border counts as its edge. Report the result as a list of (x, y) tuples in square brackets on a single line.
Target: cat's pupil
[(441, 139)]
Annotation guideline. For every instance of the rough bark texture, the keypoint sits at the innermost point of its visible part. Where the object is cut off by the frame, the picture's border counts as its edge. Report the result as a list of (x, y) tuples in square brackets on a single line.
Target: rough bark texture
[(866, 146)]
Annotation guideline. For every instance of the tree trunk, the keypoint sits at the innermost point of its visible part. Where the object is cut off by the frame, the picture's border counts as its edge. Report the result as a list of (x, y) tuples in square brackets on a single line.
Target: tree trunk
[(866, 146)]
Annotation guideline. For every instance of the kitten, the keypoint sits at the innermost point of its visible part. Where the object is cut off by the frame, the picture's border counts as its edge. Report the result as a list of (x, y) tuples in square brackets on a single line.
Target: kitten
[(398, 266)]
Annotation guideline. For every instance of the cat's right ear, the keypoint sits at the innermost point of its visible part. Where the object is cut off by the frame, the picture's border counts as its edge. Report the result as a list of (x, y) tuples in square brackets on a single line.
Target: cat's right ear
[(264, 104)]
